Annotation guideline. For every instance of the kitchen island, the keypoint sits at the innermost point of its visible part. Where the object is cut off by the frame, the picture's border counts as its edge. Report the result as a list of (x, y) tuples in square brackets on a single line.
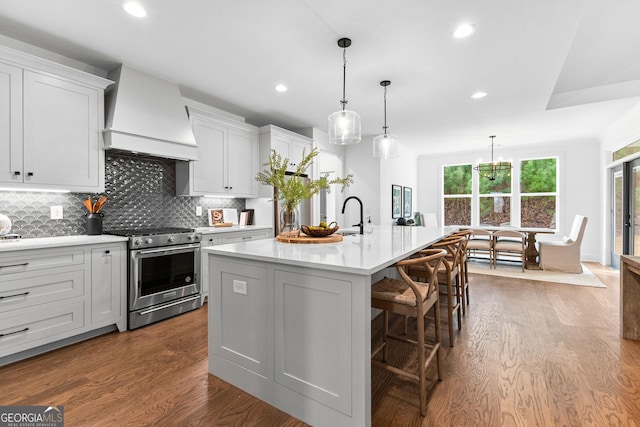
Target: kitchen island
[(291, 323)]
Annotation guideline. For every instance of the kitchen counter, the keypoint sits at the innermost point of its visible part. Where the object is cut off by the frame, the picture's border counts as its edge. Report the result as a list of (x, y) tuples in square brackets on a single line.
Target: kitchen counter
[(360, 253), (291, 323), (56, 242)]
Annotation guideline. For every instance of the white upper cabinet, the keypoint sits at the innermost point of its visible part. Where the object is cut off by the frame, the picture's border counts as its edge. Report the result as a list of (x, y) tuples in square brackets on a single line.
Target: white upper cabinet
[(288, 144), (228, 158), (51, 118), (10, 122)]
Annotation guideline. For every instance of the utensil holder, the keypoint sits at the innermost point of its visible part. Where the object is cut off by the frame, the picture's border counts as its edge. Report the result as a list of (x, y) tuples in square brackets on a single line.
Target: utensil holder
[(94, 224)]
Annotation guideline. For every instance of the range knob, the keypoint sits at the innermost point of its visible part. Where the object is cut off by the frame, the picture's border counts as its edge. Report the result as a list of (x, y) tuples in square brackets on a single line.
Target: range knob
[(137, 242), (149, 241), (190, 237), (171, 239)]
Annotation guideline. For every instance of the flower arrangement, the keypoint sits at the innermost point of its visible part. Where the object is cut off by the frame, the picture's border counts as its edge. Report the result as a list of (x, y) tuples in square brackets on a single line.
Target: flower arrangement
[(291, 189)]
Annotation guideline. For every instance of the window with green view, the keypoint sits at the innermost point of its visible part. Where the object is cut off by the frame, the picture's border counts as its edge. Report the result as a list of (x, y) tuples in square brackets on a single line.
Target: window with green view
[(457, 194), (495, 200), (538, 192)]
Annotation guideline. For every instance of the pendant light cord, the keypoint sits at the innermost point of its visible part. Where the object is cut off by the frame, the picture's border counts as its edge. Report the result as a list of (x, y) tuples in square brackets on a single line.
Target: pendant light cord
[(344, 78), (385, 111)]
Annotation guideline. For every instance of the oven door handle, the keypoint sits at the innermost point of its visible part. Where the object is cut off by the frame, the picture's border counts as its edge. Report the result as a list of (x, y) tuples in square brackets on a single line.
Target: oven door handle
[(182, 301), (166, 250)]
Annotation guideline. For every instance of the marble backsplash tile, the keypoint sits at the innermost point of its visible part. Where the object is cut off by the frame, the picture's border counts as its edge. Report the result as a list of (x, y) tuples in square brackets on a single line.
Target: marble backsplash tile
[(141, 193)]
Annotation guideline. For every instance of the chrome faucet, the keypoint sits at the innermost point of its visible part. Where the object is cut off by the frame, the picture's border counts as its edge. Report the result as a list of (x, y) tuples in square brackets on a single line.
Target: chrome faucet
[(361, 224)]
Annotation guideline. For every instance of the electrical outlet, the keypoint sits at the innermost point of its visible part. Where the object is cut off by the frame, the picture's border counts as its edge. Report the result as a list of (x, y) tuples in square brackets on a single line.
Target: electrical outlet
[(239, 287), (56, 212), (198, 210)]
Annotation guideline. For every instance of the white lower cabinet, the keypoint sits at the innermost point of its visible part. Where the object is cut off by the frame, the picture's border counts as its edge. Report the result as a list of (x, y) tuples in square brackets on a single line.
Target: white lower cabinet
[(223, 238), (47, 295), (107, 287)]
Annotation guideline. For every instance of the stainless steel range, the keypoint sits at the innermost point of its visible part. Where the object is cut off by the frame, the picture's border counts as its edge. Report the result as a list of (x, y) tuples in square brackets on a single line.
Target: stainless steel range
[(164, 270)]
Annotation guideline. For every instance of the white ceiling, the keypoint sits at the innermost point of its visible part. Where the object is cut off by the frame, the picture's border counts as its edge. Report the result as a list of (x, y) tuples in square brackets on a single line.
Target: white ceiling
[(554, 70)]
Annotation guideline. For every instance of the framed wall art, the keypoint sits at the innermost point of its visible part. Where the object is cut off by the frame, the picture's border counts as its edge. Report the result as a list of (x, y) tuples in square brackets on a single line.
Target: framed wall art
[(396, 201), (407, 199)]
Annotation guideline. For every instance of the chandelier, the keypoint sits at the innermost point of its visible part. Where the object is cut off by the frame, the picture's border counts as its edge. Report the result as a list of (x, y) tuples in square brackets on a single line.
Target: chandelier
[(385, 146), (344, 125), (492, 170)]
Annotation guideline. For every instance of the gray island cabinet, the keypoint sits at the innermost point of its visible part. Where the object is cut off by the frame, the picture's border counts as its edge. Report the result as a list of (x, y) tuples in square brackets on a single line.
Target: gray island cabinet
[(291, 323)]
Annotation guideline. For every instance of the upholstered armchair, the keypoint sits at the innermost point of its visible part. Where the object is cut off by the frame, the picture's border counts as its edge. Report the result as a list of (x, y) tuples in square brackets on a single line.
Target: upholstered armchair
[(564, 255)]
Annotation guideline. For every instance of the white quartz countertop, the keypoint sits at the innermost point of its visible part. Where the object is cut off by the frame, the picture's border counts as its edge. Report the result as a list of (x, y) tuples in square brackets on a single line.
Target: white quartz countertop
[(55, 242), (359, 254), (232, 229)]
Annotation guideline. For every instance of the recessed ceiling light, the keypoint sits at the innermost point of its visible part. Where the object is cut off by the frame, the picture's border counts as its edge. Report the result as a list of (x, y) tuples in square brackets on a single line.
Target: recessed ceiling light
[(133, 8), (478, 95), (280, 88), (464, 30)]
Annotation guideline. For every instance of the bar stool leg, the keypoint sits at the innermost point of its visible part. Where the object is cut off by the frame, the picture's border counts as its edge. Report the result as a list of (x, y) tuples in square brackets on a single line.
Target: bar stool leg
[(421, 367), (384, 335)]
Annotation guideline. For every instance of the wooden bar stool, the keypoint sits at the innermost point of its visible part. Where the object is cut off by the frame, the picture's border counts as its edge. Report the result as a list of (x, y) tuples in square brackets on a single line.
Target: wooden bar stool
[(463, 265), (407, 297), (448, 278)]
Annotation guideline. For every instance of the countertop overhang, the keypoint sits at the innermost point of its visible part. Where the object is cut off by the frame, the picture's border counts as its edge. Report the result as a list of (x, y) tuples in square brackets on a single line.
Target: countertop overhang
[(358, 254)]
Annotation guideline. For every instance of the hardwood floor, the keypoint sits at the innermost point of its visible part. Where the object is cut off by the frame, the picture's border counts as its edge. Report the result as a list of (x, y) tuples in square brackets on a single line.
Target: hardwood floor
[(529, 354)]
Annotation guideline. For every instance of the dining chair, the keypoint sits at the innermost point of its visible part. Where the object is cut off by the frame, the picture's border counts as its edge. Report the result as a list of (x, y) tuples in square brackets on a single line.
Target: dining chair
[(407, 297), (564, 255), (480, 243), (510, 243)]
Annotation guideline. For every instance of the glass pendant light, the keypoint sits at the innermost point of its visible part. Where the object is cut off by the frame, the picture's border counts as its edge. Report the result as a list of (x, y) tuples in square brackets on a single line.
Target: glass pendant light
[(385, 146), (344, 125)]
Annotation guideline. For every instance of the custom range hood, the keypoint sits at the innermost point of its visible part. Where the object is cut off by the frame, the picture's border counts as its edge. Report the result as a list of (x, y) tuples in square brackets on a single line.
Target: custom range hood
[(146, 115)]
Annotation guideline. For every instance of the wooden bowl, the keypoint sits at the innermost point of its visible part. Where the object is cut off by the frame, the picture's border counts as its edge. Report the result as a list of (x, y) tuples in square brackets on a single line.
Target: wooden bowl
[(320, 233)]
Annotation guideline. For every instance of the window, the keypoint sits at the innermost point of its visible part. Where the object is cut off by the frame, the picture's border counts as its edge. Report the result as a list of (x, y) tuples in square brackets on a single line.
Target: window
[(495, 200), (457, 195), (538, 193)]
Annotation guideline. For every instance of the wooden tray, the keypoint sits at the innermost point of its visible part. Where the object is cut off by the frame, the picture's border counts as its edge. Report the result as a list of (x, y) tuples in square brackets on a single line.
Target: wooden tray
[(303, 238)]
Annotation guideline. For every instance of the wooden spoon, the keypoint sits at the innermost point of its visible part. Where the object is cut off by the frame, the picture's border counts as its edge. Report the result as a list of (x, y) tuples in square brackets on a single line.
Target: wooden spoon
[(88, 205), (102, 200)]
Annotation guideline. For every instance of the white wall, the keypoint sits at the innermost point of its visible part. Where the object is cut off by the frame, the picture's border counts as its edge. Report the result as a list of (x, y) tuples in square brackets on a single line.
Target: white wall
[(373, 179), (400, 171), (360, 162), (579, 184)]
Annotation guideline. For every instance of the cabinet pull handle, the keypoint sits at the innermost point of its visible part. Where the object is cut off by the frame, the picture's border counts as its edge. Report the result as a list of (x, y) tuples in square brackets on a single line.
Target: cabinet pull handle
[(15, 295), (247, 238), (16, 173), (29, 173), (107, 251), (14, 332), (14, 265)]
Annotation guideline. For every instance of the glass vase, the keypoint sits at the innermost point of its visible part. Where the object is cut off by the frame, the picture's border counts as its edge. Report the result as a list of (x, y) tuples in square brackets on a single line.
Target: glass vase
[(290, 221)]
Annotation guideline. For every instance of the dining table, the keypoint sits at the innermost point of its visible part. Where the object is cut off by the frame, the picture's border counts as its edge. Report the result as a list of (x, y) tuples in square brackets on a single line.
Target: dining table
[(531, 232)]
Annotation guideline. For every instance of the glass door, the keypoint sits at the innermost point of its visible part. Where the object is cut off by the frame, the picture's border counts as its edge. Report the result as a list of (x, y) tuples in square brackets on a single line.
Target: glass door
[(617, 218), (625, 211)]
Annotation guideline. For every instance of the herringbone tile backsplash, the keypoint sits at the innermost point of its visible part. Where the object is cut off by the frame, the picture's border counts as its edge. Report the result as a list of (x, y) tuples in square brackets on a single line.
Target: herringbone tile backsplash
[(141, 193)]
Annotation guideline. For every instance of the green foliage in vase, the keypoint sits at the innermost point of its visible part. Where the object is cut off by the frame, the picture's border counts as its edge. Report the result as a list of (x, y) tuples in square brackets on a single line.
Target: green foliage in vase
[(291, 189)]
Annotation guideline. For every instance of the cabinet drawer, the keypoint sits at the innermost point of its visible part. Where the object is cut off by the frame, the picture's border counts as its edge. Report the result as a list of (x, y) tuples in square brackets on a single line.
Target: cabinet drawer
[(26, 261), (242, 237), (39, 325), (27, 291), (209, 240)]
